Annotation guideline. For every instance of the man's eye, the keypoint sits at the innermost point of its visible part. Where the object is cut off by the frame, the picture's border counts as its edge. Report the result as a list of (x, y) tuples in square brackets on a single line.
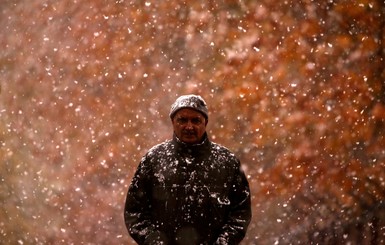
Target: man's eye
[(182, 120), (196, 121)]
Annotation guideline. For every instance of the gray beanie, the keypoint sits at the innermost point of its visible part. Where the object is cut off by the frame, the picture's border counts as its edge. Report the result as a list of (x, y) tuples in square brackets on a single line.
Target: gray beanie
[(191, 101)]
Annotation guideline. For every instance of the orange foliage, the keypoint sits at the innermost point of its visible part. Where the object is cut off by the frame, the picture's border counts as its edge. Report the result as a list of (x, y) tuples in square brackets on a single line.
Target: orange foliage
[(294, 88)]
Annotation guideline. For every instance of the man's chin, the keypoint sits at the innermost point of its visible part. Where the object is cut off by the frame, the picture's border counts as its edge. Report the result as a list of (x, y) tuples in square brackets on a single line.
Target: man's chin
[(190, 139)]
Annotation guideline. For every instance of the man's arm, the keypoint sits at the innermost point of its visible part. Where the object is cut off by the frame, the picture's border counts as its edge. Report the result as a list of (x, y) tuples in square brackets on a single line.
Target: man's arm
[(137, 209), (240, 212)]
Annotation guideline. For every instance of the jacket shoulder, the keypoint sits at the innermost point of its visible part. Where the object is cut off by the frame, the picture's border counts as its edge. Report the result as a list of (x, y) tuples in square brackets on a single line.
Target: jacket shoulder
[(221, 149), (224, 153), (163, 148)]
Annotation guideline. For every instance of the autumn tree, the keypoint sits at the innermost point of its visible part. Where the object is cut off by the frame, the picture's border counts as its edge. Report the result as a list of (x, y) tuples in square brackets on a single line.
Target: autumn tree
[(295, 88)]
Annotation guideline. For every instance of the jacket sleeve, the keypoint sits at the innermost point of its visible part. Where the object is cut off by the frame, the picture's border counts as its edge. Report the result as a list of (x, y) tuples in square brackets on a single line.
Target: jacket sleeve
[(234, 230), (137, 214)]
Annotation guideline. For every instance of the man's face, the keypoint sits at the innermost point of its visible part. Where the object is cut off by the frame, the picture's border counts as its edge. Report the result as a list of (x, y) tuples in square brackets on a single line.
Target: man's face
[(189, 125)]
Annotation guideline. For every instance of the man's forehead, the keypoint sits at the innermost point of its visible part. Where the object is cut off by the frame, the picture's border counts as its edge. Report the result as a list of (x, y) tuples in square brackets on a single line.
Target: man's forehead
[(186, 112)]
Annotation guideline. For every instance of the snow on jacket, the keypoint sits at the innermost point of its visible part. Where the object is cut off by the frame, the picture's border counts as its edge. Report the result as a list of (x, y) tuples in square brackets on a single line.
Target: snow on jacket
[(188, 194)]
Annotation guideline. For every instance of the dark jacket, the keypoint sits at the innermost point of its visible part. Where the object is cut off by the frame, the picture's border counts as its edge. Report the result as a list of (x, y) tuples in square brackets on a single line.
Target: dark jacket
[(188, 194)]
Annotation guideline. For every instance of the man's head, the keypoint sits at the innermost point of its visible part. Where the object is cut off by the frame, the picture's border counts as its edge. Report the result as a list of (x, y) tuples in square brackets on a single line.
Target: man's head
[(189, 116)]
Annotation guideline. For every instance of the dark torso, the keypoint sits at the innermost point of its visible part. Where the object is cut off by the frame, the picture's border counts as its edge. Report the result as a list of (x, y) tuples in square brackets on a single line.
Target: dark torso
[(190, 188)]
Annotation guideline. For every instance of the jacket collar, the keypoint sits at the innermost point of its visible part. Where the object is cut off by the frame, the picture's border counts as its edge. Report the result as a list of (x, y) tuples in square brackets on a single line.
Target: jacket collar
[(191, 148)]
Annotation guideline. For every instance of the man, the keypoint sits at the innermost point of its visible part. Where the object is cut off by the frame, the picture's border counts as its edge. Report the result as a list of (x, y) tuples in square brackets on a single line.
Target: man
[(188, 190)]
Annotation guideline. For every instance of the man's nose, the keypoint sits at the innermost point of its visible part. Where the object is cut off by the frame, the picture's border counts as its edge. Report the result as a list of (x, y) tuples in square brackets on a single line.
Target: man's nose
[(189, 124)]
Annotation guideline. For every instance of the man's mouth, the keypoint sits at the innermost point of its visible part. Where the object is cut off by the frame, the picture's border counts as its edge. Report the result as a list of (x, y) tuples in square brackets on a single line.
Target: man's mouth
[(189, 133)]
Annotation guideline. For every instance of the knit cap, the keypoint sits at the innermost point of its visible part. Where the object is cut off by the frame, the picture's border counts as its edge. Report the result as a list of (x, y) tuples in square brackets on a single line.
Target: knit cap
[(191, 101)]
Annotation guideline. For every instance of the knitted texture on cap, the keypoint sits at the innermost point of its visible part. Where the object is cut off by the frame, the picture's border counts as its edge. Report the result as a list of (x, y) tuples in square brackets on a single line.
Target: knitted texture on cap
[(191, 101)]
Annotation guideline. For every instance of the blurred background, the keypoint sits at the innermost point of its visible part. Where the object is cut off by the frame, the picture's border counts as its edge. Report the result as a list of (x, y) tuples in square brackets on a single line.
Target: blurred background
[(295, 88)]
